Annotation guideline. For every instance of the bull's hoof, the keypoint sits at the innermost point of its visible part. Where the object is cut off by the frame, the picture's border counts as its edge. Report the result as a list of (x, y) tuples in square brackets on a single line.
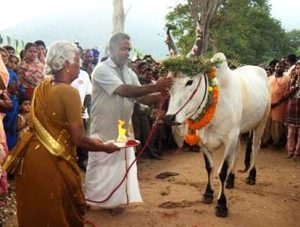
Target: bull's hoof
[(243, 170), (221, 211), (207, 198), (230, 181), (250, 181)]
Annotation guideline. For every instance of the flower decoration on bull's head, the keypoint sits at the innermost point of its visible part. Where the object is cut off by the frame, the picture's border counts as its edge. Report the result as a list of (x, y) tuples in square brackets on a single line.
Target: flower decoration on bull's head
[(191, 67)]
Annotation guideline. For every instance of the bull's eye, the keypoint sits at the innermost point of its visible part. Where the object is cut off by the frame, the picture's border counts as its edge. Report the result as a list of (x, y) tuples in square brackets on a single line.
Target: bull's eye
[(189, 82)]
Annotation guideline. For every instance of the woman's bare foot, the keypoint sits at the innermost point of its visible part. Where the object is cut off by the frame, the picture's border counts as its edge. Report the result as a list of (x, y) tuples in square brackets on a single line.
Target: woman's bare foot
[(117, 211)]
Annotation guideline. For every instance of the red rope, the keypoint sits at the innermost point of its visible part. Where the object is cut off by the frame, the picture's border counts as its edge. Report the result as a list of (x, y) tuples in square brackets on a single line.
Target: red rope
[(90, 223), (190, 98), (153, 130)]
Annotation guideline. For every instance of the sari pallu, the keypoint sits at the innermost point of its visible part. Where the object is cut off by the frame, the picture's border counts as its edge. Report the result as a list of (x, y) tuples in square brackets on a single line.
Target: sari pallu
[(48, 184)]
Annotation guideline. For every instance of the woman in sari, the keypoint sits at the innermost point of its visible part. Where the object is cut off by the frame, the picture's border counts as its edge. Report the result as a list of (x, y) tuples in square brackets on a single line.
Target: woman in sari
[(48, 184), (5, 103)]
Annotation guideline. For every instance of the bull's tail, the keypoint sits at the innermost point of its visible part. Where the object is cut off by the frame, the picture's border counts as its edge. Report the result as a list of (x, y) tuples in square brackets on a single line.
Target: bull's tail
[(248, 152)]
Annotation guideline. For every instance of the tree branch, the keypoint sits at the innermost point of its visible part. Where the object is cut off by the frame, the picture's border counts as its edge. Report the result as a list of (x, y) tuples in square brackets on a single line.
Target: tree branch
[(171, 44), (202, 12)]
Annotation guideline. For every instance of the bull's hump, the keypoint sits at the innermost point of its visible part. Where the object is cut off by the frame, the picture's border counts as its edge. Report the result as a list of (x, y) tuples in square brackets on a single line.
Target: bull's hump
[(220, 57)]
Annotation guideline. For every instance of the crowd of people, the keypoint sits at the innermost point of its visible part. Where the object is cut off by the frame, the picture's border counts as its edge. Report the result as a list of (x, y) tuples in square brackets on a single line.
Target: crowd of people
[(50, 97), (282, 129)]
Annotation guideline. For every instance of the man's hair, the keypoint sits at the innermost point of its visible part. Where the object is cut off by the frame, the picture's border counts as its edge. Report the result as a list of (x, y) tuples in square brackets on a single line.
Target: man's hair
[(273, 62), (40, 43), (13, 56), (28, 45), (8, 47), (139, 66), (4, 50), (23, 98), (114, 40), (292, 58)]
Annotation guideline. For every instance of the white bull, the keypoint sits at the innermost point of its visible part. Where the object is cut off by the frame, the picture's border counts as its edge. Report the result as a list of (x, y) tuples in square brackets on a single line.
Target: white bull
[(243, 106)]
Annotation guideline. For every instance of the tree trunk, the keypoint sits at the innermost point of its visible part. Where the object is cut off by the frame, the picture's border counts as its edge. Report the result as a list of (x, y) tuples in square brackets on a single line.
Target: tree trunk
[(171, 44), (202, 12), (118, 16)]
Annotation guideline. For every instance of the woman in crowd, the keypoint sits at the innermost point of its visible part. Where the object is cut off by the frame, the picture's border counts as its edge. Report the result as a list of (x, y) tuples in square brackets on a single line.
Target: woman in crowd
[(5, 103), (31, 69), (293, 115), (48, 183)]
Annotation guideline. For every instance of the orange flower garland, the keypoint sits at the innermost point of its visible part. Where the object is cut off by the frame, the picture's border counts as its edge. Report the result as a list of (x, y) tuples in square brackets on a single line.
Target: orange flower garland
[(207, 114), (192, 138)]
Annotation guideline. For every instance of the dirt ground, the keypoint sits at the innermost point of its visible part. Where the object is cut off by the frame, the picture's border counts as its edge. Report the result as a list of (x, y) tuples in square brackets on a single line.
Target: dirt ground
[(273, 201)]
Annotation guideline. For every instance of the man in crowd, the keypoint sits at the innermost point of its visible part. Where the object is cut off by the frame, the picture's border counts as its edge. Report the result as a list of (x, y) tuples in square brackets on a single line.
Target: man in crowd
[(41, 50), (275, 129)]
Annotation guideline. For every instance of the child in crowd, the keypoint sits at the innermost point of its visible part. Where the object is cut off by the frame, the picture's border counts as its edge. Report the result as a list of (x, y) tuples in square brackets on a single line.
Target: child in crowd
[(10, 120), (23, 117), (13, 62)]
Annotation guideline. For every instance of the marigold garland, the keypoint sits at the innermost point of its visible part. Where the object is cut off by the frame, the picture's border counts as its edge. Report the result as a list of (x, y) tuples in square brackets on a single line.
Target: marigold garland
[(192, 138), (208, 111)]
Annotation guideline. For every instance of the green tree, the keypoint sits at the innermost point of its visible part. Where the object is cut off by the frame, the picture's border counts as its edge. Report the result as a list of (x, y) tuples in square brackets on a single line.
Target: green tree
[(180, 23), (294, 40), (242, 29)]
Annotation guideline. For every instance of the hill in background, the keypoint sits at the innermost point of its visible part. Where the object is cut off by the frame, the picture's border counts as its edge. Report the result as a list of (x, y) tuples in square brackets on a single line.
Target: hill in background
[(92, 28)]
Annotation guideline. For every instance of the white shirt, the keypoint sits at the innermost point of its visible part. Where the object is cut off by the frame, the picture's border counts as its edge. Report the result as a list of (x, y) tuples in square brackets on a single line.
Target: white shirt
[(84, 86), (107, 107)]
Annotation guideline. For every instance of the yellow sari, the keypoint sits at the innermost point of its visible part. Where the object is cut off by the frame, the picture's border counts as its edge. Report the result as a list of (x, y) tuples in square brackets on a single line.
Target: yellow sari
[(48, 184)]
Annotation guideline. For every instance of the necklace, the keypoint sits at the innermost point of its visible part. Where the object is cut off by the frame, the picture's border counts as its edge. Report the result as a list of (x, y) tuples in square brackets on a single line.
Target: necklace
[(59, 81)]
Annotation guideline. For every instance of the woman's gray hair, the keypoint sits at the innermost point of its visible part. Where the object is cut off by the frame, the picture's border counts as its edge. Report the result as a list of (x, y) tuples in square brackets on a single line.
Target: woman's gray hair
[(57, 54)]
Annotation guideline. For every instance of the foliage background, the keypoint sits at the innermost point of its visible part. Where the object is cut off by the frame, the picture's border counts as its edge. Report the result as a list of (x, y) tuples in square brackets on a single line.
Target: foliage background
[(242, 29)]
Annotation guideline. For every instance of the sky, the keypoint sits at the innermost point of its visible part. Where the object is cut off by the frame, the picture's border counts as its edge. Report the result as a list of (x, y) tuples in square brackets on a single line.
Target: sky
[(23, 10)]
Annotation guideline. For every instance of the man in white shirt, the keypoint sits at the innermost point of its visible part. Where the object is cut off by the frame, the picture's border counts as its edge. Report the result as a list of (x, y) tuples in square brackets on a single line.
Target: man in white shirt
[(84, 86)]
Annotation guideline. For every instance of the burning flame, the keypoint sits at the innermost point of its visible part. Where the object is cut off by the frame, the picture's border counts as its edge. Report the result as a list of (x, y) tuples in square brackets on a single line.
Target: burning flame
[(122, 131)]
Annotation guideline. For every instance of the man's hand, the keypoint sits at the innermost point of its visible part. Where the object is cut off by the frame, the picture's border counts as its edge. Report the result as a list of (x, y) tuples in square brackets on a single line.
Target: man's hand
[(164, 84), (160, 115)]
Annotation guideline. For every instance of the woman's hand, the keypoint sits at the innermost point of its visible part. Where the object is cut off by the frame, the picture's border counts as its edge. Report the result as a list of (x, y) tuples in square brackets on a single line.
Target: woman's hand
[(110, 148)]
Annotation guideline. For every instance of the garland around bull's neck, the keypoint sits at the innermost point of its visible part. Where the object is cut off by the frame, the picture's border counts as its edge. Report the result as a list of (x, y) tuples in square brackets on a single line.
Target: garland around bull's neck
[(191, 67)]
